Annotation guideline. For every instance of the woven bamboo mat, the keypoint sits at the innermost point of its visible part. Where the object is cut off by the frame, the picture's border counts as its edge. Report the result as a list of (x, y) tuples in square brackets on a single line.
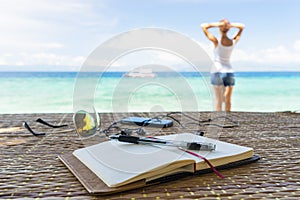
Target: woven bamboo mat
[(30, 168)]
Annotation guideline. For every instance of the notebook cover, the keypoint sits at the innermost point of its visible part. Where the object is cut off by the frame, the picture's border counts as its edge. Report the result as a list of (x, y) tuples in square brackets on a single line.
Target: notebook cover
[(90, 181), (95, 185)]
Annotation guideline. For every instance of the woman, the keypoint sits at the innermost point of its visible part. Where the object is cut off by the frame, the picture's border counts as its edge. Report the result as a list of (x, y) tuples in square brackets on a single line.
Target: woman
[(222, 74)]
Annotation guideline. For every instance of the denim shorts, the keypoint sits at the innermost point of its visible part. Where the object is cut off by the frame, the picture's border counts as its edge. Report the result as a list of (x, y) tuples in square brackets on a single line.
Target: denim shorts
[(226, 79)]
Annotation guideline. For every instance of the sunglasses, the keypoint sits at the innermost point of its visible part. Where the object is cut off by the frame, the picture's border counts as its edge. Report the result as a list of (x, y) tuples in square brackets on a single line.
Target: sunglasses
[(88, 124)]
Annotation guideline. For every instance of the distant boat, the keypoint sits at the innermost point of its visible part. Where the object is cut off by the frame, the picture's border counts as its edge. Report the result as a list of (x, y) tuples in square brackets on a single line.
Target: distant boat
[(141, 73)]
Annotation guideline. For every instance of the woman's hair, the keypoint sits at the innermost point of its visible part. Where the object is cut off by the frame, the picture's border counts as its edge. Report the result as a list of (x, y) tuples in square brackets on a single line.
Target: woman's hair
[(224, 20)]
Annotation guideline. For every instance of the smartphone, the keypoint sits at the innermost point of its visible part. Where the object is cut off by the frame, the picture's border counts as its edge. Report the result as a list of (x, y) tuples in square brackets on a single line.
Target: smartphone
[(141, 121)]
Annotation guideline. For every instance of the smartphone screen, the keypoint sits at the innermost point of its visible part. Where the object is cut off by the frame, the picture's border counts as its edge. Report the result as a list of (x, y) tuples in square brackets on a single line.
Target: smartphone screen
[(141, 121)]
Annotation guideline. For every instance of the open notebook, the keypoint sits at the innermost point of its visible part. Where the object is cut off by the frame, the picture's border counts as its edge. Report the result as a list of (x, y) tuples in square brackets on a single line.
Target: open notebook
[(121, 166)]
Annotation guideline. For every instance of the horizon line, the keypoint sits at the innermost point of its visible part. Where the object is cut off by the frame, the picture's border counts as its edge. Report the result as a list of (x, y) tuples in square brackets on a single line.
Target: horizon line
[(117, 71)]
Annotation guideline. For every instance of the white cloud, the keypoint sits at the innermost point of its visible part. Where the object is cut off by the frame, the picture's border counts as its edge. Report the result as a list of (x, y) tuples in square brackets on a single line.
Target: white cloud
[(150, 57), (297, 46), (276, 58), (52, 59), (286, 57), (40, 59), (49, 29)]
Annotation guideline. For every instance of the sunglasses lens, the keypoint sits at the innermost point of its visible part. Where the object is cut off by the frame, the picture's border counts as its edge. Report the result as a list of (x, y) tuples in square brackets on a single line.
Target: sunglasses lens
[(85, 124)]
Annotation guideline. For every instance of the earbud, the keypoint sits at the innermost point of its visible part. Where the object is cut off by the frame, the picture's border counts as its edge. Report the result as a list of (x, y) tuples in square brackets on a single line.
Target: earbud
[(128, 131), (140, 131)]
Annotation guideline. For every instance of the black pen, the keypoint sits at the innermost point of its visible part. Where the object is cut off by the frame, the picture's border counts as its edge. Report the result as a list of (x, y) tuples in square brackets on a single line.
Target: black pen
[(155, 141)]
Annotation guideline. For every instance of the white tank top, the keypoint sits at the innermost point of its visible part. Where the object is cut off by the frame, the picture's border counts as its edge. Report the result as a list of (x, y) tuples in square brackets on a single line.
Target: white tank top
[(222, 59)]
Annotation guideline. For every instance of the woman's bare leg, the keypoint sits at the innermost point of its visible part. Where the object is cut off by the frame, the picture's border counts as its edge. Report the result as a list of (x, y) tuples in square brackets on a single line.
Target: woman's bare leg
[(219, 97), (227, 95)]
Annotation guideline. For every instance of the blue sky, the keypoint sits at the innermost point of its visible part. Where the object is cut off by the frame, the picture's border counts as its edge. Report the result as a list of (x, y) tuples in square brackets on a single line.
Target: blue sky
[(60, 34)]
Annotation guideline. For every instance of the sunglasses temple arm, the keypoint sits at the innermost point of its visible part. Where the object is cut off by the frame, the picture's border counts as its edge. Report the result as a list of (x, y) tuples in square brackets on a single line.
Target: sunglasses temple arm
[(50, 125), (31, 131)]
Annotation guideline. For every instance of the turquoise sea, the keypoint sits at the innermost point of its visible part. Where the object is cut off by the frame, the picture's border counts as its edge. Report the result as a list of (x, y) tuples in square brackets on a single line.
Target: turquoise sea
[(53, 92)]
